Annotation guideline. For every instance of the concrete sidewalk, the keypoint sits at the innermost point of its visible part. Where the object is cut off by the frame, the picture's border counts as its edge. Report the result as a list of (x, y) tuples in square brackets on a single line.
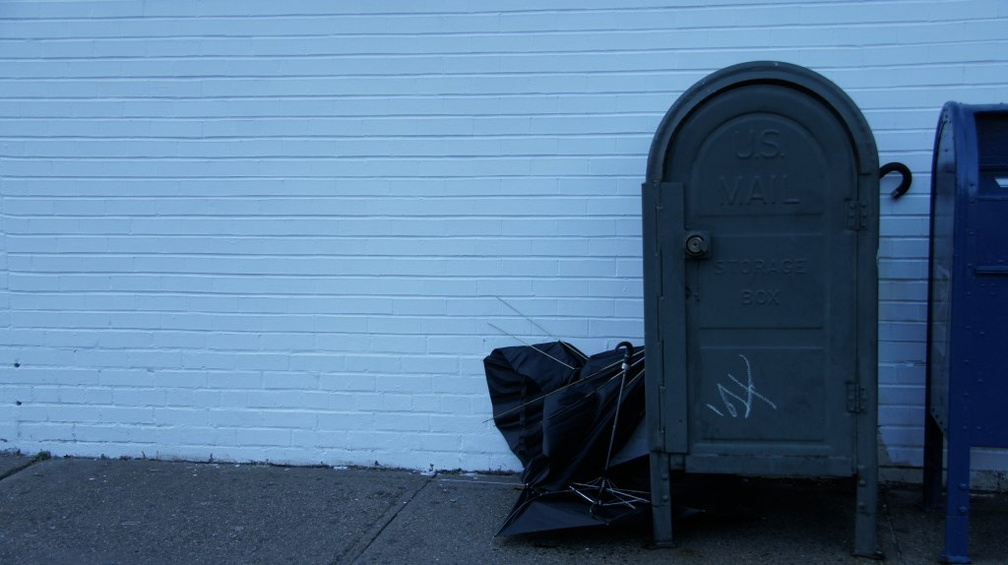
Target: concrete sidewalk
[(87, 511)]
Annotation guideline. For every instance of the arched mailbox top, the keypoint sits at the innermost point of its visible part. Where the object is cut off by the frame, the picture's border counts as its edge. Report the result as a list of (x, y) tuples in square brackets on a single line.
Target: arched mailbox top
[(765, 73), (968, 137)]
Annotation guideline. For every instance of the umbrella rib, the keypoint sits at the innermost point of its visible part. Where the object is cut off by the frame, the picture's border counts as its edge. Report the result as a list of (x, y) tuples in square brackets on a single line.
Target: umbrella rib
[(534, 400), (563, 411), (534, 323), (560, 389), (625, 368), (623, 497), (613, 364), (532, 346)]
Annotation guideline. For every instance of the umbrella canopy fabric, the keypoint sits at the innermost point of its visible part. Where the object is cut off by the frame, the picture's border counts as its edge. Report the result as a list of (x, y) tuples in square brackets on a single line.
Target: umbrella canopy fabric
[(578, 420), (539, 512), (518, 379), (570, 418)]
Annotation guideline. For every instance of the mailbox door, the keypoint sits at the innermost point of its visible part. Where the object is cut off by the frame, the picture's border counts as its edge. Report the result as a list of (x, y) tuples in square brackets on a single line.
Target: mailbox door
[(984, 264), (768, 251)]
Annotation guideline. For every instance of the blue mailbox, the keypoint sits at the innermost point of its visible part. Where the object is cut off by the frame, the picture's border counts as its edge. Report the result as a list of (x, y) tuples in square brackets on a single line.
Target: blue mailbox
[(967, 376)]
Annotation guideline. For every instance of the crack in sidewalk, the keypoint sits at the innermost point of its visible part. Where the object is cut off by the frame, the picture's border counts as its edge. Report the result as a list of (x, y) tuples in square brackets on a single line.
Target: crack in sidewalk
[(354, 553), (18, 467), (887, 508)]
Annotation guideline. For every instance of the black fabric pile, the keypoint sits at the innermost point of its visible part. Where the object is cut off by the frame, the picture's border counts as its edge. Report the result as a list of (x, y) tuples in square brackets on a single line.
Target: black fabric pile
[(576, 423)]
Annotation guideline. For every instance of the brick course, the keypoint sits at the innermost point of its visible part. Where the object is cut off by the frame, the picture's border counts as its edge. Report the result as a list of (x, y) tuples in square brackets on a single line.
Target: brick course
[(278, 230)]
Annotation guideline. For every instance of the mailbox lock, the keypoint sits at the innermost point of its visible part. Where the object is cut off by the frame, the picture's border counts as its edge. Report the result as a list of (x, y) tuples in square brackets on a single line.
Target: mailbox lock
[(697, 245)]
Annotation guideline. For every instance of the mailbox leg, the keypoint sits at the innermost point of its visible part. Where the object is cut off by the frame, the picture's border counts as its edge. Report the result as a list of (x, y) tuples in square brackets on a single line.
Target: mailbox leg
[(957, 501), (933, 461), (866, 515), (661, 500)]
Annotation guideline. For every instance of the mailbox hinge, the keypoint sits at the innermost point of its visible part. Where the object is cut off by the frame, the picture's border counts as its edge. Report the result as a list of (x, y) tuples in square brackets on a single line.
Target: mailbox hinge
[(658, 442), (857, 215), (857, 398)]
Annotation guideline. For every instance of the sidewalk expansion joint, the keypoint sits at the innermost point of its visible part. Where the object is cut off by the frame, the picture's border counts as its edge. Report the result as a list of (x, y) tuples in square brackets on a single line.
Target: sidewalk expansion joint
[(18, 468), (887, 508), (354, 553)]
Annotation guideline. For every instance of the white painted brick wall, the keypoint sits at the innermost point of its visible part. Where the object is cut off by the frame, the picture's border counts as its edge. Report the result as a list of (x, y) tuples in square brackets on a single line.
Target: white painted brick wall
[(278, 230)]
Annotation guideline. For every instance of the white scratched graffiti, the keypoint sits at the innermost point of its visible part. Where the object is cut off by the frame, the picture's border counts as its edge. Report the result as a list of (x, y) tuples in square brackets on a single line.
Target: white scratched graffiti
[(733, 400)]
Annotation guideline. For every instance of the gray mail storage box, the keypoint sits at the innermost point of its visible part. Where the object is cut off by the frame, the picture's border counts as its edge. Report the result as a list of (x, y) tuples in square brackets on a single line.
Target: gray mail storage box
[(760, 225)]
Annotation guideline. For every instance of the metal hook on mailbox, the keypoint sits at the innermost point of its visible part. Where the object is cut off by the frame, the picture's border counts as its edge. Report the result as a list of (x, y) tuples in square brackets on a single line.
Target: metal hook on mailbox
[(904, 171)]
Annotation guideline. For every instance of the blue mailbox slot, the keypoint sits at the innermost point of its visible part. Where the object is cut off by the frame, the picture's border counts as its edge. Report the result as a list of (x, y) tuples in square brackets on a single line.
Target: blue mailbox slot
[(967, 376)]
